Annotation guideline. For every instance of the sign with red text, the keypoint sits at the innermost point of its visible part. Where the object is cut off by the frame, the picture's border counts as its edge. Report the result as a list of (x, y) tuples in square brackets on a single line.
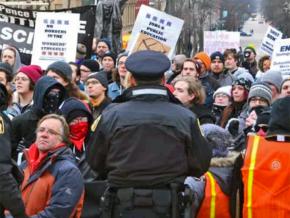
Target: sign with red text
[(55, 38)]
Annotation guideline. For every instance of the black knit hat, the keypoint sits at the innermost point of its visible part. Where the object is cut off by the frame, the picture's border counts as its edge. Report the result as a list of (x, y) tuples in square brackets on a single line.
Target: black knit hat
[(217, 55), (111, 55), (6, 68), (101, 77), (62, 68), (91, 64), (280, 118)]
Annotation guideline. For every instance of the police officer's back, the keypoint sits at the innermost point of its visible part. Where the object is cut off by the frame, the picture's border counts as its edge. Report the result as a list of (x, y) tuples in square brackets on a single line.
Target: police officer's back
[(147, 140)]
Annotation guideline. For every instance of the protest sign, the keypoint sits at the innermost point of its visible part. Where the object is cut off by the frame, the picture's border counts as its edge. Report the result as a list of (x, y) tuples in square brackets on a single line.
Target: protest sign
[(220, 40), (55, 38), (17, 28), (271, 36), (155, 30), (281, 57)]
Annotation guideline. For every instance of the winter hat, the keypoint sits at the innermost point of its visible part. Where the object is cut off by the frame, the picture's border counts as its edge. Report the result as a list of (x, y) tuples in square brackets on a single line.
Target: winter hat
[(37, 68), (273, 77), (204, 58), (224, 90), (179, 59), (107, 41), (81, 51), (261, 90), (280, 118), (219, 138), (91, 64), (62, 68), (287, 78), (6, 68), (111, 55), (243, 82), (30, 72), (217, 55), (250, 47), (101, 77)]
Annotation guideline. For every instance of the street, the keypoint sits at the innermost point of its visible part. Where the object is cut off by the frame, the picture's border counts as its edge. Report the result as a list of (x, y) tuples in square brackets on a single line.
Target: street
[(259, 32)]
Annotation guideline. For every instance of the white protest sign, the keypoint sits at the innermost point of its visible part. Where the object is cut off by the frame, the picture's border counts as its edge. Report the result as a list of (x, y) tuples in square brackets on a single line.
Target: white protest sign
[(220, 41), (155, 30), (269, 40), (281, 57), (55, 38)]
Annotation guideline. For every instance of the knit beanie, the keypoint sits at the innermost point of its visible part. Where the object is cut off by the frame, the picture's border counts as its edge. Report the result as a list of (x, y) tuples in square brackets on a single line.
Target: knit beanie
[(30, 72), (251, 48), (217, 55), (223, 90), (107, 41), (37, 68), (101, 77), (6, 68), (287, 78), (273, 77), (243, 82), (91, 64), (179, 59), (219, 138), (204, 58), (280, 118), (61, 68), (111, 55), (261, 90)]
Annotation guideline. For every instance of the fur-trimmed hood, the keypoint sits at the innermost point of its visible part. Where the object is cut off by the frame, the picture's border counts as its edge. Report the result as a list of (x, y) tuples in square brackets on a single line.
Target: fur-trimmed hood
[(227, 161)]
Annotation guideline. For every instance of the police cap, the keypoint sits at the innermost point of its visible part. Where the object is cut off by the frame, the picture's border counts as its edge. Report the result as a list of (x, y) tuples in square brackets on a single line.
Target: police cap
[(147, 65)]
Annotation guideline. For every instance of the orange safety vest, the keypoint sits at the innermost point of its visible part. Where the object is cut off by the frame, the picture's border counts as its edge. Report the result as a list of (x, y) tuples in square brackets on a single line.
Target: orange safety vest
[(266, 178), (215, 203)]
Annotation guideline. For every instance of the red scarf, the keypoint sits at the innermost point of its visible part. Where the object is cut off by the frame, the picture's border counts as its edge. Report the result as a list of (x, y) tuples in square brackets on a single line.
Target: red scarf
[(36, 158), (78, 134)]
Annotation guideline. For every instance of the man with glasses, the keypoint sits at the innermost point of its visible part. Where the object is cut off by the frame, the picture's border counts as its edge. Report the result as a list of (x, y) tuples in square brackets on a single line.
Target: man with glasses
[(52, 185)]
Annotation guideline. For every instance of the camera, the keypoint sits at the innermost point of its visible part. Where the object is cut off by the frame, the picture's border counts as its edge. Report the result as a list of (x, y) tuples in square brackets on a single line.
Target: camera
[(247, 54)]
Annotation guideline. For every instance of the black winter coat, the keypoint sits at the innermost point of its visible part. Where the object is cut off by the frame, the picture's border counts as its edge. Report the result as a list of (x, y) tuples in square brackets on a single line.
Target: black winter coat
[(147, 141)]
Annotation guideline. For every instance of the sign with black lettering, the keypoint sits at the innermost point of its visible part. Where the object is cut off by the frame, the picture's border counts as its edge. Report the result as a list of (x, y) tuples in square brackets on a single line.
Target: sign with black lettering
[(155, 30), (17, 28), (269, 40), (55, 38), (281, 57)]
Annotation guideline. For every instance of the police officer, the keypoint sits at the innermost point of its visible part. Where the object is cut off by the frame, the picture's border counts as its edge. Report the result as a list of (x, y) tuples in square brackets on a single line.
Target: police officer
[(10, 197), (146, 144)]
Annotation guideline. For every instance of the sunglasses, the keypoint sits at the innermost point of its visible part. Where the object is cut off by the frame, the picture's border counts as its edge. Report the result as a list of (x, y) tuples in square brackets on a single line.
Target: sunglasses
[(258, 128)]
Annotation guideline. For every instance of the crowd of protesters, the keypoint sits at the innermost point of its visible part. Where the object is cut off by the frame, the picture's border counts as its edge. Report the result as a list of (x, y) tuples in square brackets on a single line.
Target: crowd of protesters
[(51, 114)]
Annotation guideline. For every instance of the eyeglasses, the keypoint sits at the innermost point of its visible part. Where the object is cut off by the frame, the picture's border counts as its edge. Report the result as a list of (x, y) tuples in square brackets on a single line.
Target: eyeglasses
[(258, 128), (48, 130), (18, 78), (121, 62), (86, 71), (221, 95)]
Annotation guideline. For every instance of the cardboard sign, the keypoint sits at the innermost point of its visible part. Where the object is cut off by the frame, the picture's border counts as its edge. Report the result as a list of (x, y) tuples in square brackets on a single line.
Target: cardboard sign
[(55, 38), (155, 30), (220, 41), (281, 57), (269, 40)]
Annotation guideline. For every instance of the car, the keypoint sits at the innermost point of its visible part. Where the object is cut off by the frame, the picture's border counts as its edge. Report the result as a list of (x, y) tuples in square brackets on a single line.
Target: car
[(244, 33)]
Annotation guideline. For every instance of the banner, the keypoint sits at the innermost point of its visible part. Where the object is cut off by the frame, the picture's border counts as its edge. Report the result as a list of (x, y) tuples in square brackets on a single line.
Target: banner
[(220, 41), (55, 38), (281, 57), (17, 28), (155, 30), (269, 40)]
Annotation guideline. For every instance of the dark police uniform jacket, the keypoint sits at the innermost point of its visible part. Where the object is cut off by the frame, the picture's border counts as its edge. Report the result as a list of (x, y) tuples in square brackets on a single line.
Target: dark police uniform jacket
[(10, 197), (147, 141)]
